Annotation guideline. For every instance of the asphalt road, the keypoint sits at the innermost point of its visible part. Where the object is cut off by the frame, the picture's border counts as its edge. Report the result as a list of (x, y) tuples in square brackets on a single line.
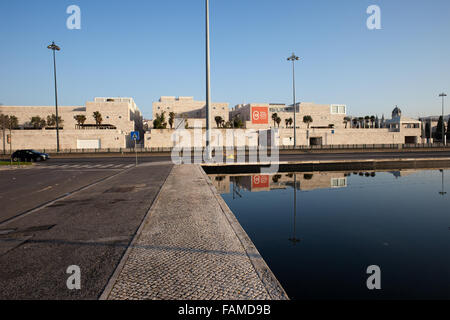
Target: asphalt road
[(302, 156), (90, 227)]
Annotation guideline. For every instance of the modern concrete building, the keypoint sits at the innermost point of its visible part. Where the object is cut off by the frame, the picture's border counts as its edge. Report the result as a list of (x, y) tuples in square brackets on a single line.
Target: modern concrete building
[(190, 110), (329, 124), (260, 115), (78, 128)]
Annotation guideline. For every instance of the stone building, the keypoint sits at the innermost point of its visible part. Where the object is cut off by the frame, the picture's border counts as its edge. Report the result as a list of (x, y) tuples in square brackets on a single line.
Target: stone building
[(190, 110), (119, 116)]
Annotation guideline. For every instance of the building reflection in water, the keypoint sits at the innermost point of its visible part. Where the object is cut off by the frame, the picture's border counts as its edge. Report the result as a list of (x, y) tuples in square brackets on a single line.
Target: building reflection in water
[(298, 181)]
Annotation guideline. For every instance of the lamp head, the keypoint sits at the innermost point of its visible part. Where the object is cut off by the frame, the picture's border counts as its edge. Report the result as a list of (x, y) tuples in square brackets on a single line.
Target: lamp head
[(53, 46)]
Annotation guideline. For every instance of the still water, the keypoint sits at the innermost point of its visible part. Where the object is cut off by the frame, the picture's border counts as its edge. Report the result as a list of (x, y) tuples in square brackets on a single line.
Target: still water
[(320, 231)]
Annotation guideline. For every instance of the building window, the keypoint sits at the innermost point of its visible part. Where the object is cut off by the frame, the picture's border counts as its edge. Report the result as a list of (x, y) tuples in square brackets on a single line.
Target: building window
[(338, 182), (338, 109)]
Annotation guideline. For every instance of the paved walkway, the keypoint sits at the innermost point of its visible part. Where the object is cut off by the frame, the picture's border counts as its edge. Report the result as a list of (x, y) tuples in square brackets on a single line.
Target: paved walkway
[(192, 247)]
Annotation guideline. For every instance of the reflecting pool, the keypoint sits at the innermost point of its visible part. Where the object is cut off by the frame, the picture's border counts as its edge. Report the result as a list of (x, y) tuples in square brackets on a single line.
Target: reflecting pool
[(320, 231)]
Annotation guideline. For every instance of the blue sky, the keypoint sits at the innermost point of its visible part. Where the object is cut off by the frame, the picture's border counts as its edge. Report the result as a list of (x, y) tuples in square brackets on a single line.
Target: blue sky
[(146, 49)]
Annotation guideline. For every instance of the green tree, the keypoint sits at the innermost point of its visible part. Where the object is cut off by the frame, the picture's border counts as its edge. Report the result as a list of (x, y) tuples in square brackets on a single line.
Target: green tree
[(346, 121), (237, 122), (366, 121), (51, 121), (80, 119), (4, 125), (97, 117), (274, 118), (13, 123), (438, 135), (448, 129), (171, 119), (307, 120), (218, 120), (37, 122), (160, 121), (372, 121), (278, 121), (427, 130)]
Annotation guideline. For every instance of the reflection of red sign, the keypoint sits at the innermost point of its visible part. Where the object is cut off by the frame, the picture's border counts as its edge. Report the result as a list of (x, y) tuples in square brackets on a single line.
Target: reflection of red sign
[(260, 182), (260, 115)]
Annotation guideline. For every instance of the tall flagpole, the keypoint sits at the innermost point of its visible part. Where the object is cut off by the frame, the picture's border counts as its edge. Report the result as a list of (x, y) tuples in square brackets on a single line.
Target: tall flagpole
[(208, 88)]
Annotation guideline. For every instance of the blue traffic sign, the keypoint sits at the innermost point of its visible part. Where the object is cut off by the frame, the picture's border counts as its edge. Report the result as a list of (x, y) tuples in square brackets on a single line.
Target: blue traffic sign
[(135, 135)]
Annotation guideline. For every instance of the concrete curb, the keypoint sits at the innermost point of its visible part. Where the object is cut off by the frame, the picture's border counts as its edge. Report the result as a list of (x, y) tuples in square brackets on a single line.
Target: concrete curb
[(271, 283), (112, 281)]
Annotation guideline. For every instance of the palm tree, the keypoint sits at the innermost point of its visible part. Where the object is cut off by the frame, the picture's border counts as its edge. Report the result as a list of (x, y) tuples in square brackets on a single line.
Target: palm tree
[(347, 120), (361, 122), (80, 119), (287, 122), (307, 120), (171, 119), (98, 118), (3, 124), (366, 122), (218, 120), (355, 122), (274, 118), (278, 121), (372, 121), (237, 122)]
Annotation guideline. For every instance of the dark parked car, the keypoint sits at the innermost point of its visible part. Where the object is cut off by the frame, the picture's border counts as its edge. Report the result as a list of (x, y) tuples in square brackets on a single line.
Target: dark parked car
[(29, 155)]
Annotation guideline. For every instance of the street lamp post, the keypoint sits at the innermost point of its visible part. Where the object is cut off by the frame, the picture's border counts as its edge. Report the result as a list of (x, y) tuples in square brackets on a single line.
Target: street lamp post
[(208, 89), (294, 58), (54, 48), (442, 193), (444, 138)]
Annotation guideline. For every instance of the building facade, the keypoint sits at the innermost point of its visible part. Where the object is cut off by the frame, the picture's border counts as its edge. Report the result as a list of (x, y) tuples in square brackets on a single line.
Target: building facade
[(78, 128)]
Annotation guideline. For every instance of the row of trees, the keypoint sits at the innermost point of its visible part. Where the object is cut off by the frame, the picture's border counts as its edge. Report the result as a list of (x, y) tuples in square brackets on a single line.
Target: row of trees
[(362, 122), (81, 118), (160, 121), (438, 133), (38, 123), (236, 122), (277, 120), (8, 123)]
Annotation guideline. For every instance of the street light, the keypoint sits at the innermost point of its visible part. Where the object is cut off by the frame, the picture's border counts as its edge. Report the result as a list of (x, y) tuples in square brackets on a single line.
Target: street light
[(294, 239), (54, 48), (442, 193), (208, 89), (294, 58), (444, 138)]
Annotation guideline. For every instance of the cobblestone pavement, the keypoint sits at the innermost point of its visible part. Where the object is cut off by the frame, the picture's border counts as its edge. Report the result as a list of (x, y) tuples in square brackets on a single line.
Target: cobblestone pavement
[(189, 249)]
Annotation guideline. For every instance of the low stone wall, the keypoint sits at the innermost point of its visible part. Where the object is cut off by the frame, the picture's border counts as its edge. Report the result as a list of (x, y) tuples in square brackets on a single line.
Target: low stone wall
[(46, 139), (248, 137)]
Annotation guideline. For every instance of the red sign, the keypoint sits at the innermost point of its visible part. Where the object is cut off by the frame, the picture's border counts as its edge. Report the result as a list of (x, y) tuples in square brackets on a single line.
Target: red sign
[(260, 115), (260, 182)]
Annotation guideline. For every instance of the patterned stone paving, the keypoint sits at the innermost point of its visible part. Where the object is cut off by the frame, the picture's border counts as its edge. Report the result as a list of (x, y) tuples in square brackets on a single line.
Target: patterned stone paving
[(189, 249)]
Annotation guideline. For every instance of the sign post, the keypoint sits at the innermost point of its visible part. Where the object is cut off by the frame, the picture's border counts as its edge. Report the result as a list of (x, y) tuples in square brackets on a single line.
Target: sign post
[(135, 137)]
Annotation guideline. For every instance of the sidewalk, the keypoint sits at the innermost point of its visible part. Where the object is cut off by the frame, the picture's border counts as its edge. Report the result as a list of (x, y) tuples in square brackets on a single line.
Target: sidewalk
[(192, 247)]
